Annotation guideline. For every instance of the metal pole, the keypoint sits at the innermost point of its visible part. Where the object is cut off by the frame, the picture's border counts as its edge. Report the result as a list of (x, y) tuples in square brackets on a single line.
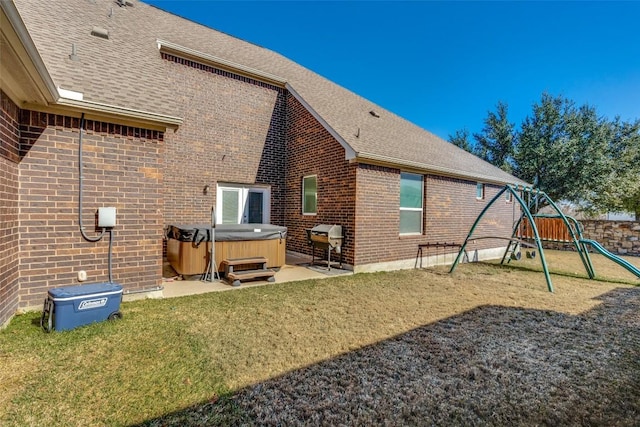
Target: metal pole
[(212, 268)]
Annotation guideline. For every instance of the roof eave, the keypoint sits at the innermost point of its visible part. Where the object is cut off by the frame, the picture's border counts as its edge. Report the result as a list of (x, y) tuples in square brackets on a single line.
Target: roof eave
[(220, 63), (110, 113), (418, 167), (18, 38)]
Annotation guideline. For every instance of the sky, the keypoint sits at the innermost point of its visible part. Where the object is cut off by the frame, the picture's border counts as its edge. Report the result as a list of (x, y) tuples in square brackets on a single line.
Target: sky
[(444, 65)]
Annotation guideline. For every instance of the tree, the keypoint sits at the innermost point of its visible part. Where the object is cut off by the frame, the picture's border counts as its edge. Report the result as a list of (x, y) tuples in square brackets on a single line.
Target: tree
[(496, 141), (627, 145), (623, 191), (461, 139), (569, 152), (541, 151), (592, 167)]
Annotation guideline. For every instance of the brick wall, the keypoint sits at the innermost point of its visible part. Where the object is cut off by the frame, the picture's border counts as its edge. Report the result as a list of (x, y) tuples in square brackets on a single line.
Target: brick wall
[(365, 199), (122, 168), (9, 238), (450, 208), (233, 132), (311, 150)]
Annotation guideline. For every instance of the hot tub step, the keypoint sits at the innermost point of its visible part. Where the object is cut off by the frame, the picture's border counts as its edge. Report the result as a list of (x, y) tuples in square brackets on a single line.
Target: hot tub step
[(236, 277)]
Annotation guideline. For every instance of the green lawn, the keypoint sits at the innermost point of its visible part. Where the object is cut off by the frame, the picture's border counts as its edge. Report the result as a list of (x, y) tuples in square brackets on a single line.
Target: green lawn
[(197, 352)]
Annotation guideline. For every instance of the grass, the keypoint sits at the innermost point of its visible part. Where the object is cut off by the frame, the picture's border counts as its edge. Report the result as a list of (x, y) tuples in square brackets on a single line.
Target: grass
[(199, 352)]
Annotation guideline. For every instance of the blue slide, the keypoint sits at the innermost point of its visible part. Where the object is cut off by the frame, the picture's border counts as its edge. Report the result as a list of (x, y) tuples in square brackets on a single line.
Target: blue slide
[(622, 262)]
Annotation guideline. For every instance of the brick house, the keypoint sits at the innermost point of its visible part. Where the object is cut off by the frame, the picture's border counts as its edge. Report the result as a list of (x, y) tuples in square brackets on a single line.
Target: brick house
[(168, 108)]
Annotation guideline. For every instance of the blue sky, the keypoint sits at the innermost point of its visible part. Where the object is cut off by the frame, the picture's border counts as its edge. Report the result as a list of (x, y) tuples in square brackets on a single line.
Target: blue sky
[(444, 65)]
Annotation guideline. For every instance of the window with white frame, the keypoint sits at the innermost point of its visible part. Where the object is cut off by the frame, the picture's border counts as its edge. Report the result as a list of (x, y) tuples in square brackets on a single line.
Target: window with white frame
[(480, 191), (243, 204), (508, 196), (411, 198), (310, 195)]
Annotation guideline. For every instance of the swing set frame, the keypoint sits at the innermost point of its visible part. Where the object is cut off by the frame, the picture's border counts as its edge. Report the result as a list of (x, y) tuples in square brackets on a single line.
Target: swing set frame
[(529, 199)]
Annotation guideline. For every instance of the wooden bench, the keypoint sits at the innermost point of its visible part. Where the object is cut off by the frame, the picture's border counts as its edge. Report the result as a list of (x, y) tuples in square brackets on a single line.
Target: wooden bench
[(235, 270)]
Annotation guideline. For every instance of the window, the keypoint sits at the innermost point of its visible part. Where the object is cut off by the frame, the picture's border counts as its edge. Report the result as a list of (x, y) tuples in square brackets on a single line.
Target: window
[(241, 204), (411, 197), (508, 196), (310, 195), (480, 191)]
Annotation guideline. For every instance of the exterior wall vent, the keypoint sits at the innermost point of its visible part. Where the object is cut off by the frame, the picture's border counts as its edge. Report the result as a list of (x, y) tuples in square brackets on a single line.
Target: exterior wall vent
[(100, 32)]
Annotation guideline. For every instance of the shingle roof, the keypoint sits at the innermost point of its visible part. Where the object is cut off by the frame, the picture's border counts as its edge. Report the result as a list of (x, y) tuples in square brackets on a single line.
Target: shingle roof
[(126, 70)]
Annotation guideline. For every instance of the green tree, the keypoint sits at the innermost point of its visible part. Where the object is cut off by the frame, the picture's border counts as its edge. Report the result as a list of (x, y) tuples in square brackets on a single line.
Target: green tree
[(623, 190), (495, 143), (541, 152), (591, 163), (628, 165), (461, 139), (569, 152)]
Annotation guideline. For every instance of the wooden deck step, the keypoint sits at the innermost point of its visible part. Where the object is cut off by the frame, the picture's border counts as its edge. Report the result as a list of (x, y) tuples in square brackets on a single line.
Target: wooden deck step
[(231, 265), (236, 277), (240, 261)]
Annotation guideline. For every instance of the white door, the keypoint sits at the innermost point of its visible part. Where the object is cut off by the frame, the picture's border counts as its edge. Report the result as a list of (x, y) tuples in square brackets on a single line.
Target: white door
[(239, 204)]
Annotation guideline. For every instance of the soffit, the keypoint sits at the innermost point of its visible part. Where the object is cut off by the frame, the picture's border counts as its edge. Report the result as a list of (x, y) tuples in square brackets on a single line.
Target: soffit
[(20, 79)]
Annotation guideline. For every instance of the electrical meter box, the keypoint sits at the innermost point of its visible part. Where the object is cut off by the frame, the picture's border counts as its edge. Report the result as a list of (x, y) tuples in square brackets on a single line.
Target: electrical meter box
[(107, 217), (69, 307)]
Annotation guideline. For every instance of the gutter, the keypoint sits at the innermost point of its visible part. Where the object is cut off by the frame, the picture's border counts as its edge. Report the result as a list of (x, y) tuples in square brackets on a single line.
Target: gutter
[(73, 104), (422, 168), (123, 112), (221, 63)]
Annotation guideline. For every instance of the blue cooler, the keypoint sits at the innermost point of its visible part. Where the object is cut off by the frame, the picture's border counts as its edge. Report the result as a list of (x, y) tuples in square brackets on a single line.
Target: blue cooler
[(72, 306)]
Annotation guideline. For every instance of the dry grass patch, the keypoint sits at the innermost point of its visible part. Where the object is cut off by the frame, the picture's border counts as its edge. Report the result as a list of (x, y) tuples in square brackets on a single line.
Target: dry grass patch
[(488, 344)]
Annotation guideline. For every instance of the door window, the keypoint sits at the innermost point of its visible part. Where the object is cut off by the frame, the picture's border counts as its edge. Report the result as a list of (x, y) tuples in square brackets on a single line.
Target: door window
[(240, 204)]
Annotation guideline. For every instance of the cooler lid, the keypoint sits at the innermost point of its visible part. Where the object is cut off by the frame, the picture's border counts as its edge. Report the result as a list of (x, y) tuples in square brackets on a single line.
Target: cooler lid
[(106, 288)]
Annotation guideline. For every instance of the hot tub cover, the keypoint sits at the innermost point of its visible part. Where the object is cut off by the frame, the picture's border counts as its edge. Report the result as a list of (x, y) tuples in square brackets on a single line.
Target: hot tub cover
[(199, 233)]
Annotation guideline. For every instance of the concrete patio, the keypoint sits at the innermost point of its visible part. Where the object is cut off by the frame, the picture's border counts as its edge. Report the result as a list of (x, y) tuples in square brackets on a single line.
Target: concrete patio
[(297, 267)]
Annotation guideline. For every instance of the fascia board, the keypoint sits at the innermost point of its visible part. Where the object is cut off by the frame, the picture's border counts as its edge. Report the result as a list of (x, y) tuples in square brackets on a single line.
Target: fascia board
[(221, 63), (418, 167), (106, 112)]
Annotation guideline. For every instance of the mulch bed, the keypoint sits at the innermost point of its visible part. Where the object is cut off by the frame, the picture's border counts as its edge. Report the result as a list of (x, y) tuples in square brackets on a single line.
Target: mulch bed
[(491, 365)]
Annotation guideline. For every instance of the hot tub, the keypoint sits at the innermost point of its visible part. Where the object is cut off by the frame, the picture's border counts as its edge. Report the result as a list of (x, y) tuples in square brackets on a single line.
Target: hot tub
[(188, 246)]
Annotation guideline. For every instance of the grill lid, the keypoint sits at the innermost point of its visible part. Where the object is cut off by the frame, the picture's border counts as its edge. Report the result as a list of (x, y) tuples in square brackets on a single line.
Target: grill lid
[(328, 229)]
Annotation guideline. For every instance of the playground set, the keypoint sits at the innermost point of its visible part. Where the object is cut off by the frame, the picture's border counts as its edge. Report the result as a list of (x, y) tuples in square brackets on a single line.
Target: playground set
[(532, 229)]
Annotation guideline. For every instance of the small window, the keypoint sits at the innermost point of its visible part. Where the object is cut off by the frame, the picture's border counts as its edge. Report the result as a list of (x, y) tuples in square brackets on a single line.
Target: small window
[(411, 197), (310, 195), (480, 191), (508, 196)]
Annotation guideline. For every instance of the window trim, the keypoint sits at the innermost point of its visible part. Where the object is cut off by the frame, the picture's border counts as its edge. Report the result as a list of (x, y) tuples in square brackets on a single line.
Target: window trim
[(508, 197), (420, 209), (303, 205)]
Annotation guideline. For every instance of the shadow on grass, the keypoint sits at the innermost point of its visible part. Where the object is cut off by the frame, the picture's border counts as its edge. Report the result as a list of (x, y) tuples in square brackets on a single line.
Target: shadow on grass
[(489, 366)]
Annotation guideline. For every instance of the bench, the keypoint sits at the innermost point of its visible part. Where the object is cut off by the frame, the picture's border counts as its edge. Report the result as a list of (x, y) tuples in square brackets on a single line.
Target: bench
[(235, 270)]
